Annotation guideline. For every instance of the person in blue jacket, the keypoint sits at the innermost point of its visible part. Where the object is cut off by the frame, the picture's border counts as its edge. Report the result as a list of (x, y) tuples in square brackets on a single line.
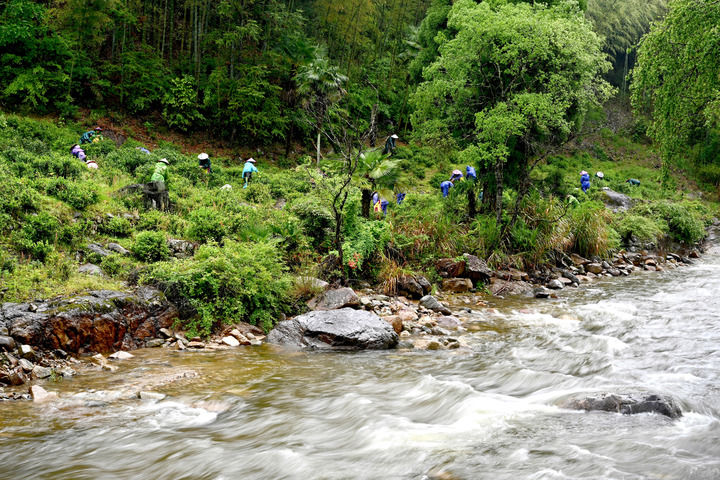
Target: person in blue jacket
[(584, 181), (248, 170), (470, 173), (399, 197), (445, 187)]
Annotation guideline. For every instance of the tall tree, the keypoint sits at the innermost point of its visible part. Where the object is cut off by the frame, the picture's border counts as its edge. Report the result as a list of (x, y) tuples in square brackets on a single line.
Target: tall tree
[(513, 80), (320, 84), (676, 80)]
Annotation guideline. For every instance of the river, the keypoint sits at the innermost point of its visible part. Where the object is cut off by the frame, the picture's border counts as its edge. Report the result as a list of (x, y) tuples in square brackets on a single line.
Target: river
[(488, 410)]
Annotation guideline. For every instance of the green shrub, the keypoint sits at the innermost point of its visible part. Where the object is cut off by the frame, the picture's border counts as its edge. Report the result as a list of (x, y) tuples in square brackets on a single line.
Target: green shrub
[(238, 281), (709, 174), (258, 193), (684, 219), (151, 246), (645, 229), (37, 235), (17, 195), (206, 224), (152, 220), (369, 239), (117, 226), (113, 264), (180, 104), (129, 159), (316, 220), (78, 195)]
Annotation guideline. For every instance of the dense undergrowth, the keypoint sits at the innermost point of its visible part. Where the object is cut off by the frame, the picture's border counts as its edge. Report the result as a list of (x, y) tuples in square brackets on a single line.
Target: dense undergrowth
[(254, 247)]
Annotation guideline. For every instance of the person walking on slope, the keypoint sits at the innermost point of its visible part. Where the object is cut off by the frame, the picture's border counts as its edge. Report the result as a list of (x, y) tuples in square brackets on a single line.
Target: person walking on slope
[(160, 171), (390, 145), (88, 136), (584, 181), (248, 170)]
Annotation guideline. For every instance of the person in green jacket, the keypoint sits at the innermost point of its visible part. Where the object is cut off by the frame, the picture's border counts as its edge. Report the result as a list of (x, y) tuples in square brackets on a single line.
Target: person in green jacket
[(88, 137), (160, 170)]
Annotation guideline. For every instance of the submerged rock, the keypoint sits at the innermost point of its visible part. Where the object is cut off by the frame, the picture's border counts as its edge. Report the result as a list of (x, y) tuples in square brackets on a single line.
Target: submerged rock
[(343, 329), (627, 404), (432, 303), (541, 292)]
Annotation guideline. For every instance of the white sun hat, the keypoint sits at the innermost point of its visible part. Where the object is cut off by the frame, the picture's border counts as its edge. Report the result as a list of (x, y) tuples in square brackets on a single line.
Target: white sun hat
[(600, 175), (394, 136), (164, 160), (251, 160), (203, 156)]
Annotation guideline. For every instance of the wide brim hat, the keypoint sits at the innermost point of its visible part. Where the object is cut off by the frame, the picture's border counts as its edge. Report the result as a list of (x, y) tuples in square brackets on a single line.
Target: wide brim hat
[(203, 156), (583, 172), (600, 175), (251, 160), (164, 160), (457, 172), (394, 136)]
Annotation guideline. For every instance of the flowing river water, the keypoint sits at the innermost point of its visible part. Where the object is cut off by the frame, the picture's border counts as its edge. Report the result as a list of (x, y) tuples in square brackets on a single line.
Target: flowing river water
[(489, 410)]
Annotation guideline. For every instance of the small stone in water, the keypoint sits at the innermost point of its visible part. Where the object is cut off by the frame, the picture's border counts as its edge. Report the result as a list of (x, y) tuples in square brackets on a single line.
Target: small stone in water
[(151, 396), (121, 355), (39, 394)]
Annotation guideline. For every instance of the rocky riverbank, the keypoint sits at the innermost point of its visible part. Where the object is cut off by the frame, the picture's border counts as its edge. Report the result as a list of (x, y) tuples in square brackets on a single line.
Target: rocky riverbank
[(51, 339)]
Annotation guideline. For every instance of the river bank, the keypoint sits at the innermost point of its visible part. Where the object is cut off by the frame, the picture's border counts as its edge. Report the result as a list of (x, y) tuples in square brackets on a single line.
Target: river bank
[(49, 341)]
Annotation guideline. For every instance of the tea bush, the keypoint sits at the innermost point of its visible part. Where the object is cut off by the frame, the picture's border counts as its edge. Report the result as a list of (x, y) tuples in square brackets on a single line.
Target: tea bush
[(205, 225), (226, 284), (151, 246), (117, 226)]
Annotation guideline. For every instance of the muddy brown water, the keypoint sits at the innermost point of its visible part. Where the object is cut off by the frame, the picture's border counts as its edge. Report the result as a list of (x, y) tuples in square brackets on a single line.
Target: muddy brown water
[(489, 410)]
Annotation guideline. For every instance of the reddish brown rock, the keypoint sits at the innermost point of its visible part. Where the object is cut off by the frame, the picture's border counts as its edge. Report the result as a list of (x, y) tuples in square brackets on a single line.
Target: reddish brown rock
[(450, 268), (99, 321)]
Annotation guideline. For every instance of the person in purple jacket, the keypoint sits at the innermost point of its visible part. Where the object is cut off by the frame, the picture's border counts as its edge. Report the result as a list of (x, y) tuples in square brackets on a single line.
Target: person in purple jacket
[(77, 152)]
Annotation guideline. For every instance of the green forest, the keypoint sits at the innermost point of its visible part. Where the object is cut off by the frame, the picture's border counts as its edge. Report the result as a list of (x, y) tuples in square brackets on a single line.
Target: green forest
[(523, 94)]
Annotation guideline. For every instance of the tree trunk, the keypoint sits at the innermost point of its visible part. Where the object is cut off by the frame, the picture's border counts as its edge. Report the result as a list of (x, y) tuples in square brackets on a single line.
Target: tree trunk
[(373, 125), (472, 199), (498, 191), (317, 161), (365, 202)]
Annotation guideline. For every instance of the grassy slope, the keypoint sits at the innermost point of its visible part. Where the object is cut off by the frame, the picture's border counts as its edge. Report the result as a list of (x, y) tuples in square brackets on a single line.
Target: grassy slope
[(34, 153)]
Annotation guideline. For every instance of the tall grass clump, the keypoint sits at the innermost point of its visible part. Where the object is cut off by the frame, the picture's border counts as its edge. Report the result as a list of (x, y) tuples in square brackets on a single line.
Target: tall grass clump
[(591, 230)]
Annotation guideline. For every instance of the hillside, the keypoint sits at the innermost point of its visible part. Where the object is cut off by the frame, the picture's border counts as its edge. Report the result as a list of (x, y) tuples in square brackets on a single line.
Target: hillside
[(246, 248)]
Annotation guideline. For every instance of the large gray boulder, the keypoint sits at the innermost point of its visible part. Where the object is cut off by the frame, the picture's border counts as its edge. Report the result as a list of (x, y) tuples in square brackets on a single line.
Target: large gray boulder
[(627, 404), (335, 299), (615, 200), (344, 329)]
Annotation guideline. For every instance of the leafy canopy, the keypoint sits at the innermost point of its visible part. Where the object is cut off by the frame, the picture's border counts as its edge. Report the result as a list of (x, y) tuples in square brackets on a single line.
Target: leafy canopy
[(676, 79)]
